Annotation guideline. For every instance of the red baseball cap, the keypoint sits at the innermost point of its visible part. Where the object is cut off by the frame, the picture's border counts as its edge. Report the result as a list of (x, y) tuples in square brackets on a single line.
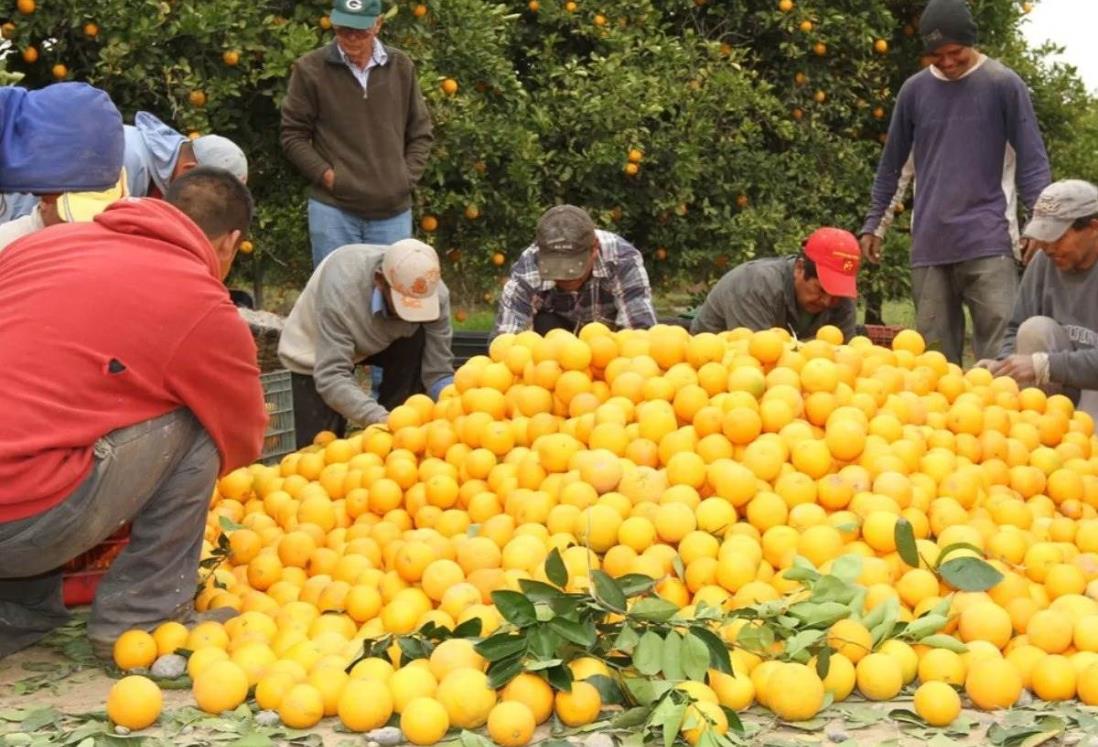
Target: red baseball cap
[(837, 257)]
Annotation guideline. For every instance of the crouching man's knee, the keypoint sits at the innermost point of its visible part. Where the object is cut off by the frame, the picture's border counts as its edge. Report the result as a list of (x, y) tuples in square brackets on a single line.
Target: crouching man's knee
[(1041, 334)]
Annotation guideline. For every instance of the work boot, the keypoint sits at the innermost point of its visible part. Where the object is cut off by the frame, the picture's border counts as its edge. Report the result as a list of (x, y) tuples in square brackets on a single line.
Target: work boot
[(103, 648)]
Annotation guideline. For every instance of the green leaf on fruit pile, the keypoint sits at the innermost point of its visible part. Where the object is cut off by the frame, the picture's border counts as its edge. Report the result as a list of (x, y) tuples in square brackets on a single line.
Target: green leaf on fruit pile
[(671, 656), (608, 592), (501, 646), (648, 656), (227, 524), (471, 628), (515, 608), (719, 658), (537, 592), (944, 641), (921, 627), (904, 535), (672, 723), (627, 640), (543, 642), (969, 574), (555, 569), (956, 547), (581, 634), (608, 689), (560, 677), (823, 662), (645, 692), (632, 718), (797, 645), (816, 614), (847, 568), (635, 584), (653, 609), (882, 626), (503, 671), (695, 657)]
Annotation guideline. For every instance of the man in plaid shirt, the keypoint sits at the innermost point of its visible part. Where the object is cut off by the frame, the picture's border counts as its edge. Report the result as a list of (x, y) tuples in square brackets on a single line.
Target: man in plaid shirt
[(572, 275)]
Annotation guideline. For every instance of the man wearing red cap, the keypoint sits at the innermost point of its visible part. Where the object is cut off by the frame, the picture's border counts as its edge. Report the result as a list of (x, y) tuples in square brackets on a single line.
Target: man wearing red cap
[(800, 293)]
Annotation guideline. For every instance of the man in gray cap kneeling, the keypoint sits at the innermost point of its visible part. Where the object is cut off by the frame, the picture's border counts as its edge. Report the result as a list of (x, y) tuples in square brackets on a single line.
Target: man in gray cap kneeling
[(574, 274), (1052, 338)]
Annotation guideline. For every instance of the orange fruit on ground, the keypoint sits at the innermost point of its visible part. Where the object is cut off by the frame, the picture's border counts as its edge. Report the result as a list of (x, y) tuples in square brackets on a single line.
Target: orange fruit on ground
[(511, 724), (937, 703), (880, 677), (221, 686), (993, 684), (795, 692), (134, 702), (364, 705), (424, 721), (302, 707), (135, 649)]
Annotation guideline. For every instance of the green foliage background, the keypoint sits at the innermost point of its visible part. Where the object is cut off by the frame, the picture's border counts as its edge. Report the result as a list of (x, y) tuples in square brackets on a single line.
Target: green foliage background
[(741, 157)]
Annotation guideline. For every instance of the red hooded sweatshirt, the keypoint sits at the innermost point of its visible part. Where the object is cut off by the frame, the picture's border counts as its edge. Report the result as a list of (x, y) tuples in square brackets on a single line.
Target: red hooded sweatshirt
[(107, 324)]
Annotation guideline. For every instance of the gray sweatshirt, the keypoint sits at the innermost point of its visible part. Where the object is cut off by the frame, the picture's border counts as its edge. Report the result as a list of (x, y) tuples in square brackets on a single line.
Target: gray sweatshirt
[(1069, 298), (973, 141), (334, 326), (759, 295)]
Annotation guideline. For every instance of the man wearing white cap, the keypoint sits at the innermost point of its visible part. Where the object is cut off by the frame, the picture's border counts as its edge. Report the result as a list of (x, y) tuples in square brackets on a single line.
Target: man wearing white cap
[(367, 304), (1052, 339)]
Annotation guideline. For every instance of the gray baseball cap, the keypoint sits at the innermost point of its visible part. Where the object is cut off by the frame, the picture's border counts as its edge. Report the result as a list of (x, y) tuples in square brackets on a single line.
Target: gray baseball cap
[(1060, 205), (565, 237), (222, 153)]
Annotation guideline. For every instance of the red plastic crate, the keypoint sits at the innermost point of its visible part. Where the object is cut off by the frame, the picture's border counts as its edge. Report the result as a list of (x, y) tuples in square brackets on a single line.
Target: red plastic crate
[(883, 334), (82, 574)]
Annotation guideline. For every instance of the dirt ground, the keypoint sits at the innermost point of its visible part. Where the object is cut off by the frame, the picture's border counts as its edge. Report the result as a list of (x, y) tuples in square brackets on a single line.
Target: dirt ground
[(55, 694)]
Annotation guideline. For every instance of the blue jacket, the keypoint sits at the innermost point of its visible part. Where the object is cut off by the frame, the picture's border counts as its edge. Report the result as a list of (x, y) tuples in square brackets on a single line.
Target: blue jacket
[(66, 137)]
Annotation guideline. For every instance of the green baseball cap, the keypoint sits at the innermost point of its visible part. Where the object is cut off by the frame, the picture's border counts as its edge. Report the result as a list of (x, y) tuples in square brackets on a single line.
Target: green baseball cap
[(355, 14)]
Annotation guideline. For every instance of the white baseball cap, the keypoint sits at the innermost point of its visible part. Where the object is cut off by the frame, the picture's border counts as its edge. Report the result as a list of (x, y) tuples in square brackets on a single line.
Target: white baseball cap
[(411, 269), (1060, 205)]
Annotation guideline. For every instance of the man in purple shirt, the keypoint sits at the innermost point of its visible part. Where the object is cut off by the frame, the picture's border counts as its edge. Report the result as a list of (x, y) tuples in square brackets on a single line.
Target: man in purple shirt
[(968, 123)]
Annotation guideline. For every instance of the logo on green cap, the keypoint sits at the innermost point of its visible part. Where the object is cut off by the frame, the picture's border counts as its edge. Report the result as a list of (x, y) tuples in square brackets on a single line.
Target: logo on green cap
[(356, 14)]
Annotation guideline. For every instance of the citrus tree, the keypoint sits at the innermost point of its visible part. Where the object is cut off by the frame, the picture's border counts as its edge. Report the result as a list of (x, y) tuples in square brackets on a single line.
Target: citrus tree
[(707, 132)]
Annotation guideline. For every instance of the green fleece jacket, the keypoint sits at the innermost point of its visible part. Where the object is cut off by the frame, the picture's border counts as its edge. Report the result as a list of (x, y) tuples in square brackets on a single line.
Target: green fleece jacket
[(376, 141)]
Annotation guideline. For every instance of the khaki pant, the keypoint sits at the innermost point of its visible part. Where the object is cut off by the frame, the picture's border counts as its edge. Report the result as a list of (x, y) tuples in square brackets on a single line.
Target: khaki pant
[(987, 286), (159, 475)]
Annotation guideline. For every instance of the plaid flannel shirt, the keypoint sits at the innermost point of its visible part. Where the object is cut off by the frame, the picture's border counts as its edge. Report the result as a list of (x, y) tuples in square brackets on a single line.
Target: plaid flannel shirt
[(617, 293)]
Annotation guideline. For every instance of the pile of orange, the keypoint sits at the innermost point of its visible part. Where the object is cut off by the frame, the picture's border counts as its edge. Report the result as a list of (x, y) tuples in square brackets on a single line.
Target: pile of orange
[(635, 452)]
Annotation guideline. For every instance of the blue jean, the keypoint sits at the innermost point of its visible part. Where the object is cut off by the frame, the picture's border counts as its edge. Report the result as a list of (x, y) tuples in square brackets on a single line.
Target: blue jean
[(331, 228)]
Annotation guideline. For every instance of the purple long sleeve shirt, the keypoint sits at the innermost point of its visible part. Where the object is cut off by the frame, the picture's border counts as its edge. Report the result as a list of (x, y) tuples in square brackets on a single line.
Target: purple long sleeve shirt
[(976, 149)]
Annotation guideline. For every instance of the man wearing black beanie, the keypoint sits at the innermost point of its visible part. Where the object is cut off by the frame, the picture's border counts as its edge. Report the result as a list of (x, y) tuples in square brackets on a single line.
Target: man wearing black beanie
[(967, 124)]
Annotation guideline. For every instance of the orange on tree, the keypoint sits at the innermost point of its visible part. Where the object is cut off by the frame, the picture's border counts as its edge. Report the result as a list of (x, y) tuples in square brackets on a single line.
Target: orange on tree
[(449, 86)]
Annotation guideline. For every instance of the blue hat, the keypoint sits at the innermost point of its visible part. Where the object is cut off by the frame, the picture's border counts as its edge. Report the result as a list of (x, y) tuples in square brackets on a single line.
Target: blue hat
[(66, 137)]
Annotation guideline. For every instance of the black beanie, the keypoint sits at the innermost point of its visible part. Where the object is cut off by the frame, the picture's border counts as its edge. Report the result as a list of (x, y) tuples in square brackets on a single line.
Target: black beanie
[(947, 22)]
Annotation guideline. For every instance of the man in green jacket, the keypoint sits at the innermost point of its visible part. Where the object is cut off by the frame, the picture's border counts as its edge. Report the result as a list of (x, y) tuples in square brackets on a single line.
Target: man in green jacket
[(354, 122)]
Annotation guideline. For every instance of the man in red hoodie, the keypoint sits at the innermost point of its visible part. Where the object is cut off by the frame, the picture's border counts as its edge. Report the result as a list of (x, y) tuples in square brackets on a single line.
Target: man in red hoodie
[(128, 383)]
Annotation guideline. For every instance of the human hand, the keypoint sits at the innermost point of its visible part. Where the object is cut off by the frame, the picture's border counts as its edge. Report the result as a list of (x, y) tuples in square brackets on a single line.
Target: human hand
[(1029, 250), (989, 363), (1018, 367), (871, 247), (329, 179)]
